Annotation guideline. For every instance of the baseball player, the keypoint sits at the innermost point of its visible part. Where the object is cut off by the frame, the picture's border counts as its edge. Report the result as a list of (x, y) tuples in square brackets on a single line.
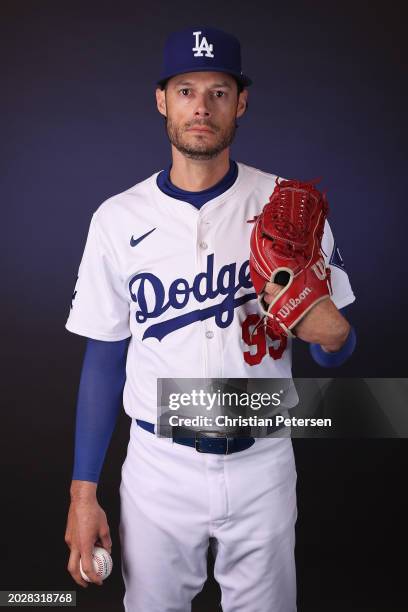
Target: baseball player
[(164, 291)]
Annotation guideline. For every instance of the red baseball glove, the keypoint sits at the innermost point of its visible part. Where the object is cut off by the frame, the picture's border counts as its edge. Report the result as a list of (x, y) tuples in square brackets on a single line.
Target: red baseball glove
[(286, 249)]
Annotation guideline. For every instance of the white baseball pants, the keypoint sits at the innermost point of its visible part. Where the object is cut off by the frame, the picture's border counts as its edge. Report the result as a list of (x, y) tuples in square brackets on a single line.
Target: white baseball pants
[(173, 499)]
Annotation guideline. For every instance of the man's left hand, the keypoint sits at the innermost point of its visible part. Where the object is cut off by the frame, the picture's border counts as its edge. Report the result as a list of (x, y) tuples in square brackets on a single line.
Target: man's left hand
[(323, 324)]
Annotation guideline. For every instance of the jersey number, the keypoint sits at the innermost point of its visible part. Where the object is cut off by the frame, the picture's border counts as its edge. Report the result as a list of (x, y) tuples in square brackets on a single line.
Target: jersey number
[(258, 341)]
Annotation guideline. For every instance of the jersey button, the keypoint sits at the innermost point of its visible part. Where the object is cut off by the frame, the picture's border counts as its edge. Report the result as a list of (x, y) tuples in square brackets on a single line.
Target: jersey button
[(203, 245), (209, 334)]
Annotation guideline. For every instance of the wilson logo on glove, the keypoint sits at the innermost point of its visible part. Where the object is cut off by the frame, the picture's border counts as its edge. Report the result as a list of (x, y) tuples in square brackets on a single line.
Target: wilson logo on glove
[(286, 249), (294, 302)]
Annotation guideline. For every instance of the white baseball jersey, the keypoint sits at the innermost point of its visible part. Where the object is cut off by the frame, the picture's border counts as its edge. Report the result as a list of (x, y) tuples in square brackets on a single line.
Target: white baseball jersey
[(176, 279)]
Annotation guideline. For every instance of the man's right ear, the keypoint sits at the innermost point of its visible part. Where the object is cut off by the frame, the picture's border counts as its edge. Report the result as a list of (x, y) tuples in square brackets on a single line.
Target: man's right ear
[(161, 101)]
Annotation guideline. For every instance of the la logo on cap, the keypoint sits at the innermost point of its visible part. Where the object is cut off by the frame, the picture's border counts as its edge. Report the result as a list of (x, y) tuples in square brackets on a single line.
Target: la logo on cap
[(202, 46)]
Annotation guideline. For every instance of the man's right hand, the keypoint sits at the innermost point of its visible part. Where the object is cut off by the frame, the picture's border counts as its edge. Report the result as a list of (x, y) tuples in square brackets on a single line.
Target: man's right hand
[(87, 527)]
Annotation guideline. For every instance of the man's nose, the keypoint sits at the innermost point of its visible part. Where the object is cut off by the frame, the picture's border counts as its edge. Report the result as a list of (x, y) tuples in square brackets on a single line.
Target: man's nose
[(202, 107)]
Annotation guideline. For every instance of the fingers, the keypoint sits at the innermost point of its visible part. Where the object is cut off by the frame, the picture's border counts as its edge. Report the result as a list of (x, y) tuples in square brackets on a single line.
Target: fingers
[(85, 556), (73, 568), (88, 567), (271, 291), (105, 540)]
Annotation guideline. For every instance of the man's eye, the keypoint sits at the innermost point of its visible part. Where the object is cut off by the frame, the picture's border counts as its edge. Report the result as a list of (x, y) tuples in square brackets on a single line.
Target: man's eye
[(185, 91), (219, 94)]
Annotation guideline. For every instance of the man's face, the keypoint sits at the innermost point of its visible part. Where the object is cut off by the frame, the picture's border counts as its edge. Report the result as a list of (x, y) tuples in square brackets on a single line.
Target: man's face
[(201, 109)]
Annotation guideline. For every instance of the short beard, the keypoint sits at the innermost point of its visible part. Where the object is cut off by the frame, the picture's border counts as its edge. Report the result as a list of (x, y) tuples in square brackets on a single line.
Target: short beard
[(200, 151)]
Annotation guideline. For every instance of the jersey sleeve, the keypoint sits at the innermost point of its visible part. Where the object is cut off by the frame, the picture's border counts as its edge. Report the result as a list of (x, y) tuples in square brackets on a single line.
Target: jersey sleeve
[(342, 291), (99, 307)]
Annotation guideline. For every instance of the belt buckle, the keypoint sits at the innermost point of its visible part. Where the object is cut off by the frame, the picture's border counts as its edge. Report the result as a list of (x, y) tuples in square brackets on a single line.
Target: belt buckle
[(205, 435)]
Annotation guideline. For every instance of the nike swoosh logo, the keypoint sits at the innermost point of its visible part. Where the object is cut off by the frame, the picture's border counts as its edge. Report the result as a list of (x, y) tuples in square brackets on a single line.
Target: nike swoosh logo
[(135, 241)]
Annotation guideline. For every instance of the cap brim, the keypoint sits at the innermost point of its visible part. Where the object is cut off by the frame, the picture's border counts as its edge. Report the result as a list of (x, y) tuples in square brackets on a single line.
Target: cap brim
[(244, 80)]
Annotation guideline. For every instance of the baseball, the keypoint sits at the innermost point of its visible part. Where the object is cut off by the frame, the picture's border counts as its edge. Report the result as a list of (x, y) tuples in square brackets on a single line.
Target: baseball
[(102, 562)]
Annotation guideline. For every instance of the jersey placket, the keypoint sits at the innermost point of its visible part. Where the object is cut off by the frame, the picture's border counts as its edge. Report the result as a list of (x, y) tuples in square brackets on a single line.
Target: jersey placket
[(211, 340)]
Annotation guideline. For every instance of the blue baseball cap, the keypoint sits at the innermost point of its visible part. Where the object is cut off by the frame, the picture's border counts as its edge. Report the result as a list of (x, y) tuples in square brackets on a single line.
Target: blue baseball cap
[(202, 49)]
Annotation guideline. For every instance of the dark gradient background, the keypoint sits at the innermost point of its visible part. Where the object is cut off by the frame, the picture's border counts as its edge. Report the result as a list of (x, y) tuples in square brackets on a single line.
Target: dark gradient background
[(79, 124)]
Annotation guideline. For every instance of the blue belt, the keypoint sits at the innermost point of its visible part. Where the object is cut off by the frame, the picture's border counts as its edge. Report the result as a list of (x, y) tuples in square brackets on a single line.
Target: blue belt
[(209, 442)]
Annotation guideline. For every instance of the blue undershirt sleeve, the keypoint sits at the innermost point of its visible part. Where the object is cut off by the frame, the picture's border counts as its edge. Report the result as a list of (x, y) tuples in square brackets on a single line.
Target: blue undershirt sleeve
[(99, 401)]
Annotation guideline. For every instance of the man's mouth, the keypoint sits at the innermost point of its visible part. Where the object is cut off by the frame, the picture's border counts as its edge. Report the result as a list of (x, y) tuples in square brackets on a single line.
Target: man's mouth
[(200, 129)]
